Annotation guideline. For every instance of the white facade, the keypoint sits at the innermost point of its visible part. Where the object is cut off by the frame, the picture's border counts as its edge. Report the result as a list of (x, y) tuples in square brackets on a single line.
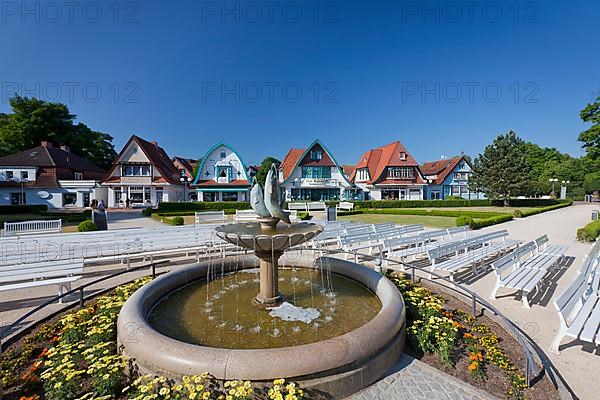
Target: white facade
[(77, 195), (137, 179), (222, 176)]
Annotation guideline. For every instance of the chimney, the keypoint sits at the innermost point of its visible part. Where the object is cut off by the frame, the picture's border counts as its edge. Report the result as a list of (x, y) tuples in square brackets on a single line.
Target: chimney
[(46, 143), (64, 147), (154, 142)]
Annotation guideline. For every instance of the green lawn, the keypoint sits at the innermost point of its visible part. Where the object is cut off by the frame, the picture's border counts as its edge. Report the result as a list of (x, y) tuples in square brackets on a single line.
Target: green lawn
[(507, 210), (432, 222)]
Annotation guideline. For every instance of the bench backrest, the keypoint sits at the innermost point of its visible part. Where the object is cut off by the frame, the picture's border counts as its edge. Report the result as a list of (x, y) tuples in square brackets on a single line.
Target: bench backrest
[(573, 296), (41, 270), (207, 216), (298, 206), (15, 228), (541, 241), (453, 247), (245, 215), (345, 205), (316, 205), (458, 230), (504, 263)]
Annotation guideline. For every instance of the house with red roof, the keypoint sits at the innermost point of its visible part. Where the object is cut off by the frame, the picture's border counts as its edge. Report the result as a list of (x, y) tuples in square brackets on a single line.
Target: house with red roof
[(51, 176), (449, 177), (144, 174), (389, 173), (222, 176), (313, 174)]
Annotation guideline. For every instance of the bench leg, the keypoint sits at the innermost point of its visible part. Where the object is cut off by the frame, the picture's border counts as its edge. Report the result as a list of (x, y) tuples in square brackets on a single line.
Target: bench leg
[(525, 300), (431, 269), (558, 338), (495, 290), (63, 288)]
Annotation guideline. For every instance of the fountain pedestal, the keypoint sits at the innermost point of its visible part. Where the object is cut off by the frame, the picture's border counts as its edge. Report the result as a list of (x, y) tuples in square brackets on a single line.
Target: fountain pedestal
[(269, 287)]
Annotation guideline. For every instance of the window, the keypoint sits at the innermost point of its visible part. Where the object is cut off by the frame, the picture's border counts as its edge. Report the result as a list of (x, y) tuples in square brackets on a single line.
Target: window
[(136, 170), (229, 196), (316, 155), (316, 172), (363, 174), (461, 176), (69, 199), (223, 154), (24, 175), (78, 176), (455, 190), (403, 156), (9, 175), (400, 173), (435, 195)]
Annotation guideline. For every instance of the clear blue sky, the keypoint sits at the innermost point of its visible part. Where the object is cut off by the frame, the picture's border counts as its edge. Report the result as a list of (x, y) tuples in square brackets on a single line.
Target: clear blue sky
[(381, 71)]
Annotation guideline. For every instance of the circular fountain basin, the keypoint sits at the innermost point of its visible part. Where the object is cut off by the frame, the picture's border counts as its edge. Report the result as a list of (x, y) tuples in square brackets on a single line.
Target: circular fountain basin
[(337, 365), (222, 313)]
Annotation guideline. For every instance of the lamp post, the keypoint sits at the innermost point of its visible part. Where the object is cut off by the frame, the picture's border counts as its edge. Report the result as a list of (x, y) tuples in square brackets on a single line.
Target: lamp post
[(186, 181), (553, 180), (563, 189)]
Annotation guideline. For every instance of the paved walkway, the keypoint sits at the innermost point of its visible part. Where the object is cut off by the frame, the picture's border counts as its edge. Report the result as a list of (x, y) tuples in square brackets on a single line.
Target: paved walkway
[(412, 379), (123, 219)]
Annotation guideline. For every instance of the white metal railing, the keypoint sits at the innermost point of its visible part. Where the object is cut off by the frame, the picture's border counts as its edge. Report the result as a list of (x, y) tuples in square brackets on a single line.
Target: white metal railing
[(39, 226)]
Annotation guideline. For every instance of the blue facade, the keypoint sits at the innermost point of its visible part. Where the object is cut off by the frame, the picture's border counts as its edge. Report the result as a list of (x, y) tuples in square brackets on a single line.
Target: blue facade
[(454, 183)]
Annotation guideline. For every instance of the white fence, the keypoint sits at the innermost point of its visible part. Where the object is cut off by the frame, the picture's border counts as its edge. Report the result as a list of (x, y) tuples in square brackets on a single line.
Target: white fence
[(25, 227)]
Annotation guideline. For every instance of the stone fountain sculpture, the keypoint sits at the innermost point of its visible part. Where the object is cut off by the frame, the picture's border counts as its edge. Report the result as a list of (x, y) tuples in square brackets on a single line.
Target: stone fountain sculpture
[(265, 238)]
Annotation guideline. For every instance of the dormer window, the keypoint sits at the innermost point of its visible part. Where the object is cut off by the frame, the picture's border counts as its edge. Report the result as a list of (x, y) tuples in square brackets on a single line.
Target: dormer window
[(9, 175), (400, 173), (316, 155), (403, 156), (24, 175), (78, 176)]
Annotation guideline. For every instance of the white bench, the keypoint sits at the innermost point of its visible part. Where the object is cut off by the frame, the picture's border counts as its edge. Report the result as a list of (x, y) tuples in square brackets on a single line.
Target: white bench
[(245, 216), (345, 206), (578, 305), (524, 269), (543, 246), (293, 215), (32, 227), (209, 216), (316, 206), (298, 206), (61, 273)]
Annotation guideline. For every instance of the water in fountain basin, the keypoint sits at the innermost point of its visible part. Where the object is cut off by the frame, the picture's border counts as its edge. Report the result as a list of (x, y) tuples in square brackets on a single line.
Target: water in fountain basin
[(235, 321)]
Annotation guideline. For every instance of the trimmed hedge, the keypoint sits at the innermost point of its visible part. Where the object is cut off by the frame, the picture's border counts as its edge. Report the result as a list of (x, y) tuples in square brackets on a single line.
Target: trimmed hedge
[(23, 209), (353, 212), (202, 206), (175, 221), (420, 203), (464, 220), (590, 232), (529, 202), (437, 213), (482, 223), (303, 215), (528, 213)]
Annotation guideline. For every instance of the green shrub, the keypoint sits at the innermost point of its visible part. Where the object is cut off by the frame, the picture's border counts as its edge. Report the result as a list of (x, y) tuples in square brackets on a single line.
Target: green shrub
[(482, 223), (528, 202), (464, 220), (454, 198), (528, 213), (148, 211), (87, 226), (518, 214), (202, 206), (177, 221), (435, 212), (303, 215), (590, 232)]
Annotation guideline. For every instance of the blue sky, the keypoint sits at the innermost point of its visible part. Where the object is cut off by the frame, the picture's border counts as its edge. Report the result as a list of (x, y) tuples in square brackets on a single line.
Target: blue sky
[(441, 77)]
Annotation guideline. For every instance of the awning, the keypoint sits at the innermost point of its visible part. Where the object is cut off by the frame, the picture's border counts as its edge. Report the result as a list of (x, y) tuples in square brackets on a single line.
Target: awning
[(222, 190)]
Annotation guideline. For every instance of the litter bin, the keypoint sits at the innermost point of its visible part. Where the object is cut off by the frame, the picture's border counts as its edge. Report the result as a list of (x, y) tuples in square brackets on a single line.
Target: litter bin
[(595, 214), (331, 214), (99, 218)]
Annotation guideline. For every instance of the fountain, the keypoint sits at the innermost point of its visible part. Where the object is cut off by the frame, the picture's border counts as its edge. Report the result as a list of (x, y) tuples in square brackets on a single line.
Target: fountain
[(335, 328)]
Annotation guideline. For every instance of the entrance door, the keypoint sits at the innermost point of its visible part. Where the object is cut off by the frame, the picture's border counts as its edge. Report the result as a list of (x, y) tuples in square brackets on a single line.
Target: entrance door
[(316, 195), (403, 194), (86, 199)]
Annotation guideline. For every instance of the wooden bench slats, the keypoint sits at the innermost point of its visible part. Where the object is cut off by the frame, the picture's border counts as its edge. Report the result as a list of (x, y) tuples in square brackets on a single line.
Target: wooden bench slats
[(584, 314), (44, 282), (590, 329)]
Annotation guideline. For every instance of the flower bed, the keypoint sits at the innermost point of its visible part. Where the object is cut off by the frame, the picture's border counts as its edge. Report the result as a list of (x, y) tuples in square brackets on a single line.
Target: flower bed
[(476, 350), (76, 357)]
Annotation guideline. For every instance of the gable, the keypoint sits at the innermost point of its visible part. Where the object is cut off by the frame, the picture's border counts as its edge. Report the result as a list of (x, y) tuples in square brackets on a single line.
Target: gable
[(325, 160), (133, 153), (221, 156)]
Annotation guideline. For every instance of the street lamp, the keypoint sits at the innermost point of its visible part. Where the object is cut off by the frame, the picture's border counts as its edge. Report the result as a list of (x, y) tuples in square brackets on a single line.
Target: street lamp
[(553, 180), (186, 181), (564, 185)]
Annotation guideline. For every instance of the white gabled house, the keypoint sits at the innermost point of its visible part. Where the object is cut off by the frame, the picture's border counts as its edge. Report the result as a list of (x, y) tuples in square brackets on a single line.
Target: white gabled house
[(312, 174), (144, 174), (222, 176)]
